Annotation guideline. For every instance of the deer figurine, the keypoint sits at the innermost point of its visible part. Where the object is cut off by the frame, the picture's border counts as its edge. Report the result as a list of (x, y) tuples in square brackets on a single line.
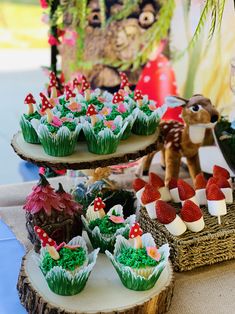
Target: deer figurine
[(178, 140)]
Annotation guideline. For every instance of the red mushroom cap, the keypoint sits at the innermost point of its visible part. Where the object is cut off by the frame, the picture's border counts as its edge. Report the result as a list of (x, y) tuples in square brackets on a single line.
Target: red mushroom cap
[(91, 110), (138, 95), (29, 99), (75, 83), (117, 97), (135, 231), (68, 93), (45, 103), (124, 80), (98, 204), (85, 84), (53, 81), (43, 236)]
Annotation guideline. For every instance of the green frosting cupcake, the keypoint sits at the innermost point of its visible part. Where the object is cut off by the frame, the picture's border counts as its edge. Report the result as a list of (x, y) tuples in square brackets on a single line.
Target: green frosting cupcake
[(68, 274), (28, 131), (136, 258)]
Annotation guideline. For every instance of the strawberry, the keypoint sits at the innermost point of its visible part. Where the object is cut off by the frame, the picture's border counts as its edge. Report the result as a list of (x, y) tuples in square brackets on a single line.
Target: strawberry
[(213, 193), (138, 184), (172, 184), (200, 181), (222, 182), (165, 212), (155, 180), (150, 194), (185, 190), (190, 212), (212, 180), (220, 172)]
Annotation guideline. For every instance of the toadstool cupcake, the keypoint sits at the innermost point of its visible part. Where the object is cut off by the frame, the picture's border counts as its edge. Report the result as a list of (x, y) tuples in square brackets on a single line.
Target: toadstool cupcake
[(102, 228), (138, 267), (66, 267)]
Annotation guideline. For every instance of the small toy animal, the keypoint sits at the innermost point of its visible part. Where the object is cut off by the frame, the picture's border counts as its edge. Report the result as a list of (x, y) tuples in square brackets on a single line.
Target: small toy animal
[(183, 140)]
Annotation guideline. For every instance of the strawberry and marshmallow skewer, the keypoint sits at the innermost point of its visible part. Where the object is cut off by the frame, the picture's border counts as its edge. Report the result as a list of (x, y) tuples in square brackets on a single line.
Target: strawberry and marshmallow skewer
[(159, 185), (222, 172), (225, 187), (174, 192), (200, 187), (186, 192), (166, 214), (216, 201), (192, 216), (138, 185), (148, 199)]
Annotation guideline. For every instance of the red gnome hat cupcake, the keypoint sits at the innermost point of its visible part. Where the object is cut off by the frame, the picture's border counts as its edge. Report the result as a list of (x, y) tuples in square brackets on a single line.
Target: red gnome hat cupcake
[(186, 192), (158, 183), (216, 201), (148, 199), (173, 188), (200, 187), (138, 185), (166, 215), (192, 216)]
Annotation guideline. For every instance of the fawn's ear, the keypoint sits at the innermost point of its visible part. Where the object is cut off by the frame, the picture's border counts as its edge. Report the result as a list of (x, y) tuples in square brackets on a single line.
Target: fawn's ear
[(175, 101)]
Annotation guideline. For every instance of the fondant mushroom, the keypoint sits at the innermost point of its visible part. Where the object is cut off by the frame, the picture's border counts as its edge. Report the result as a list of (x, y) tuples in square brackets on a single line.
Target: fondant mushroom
[(47, 242), (30, 101), (136, 233), (138, 97), (124, 82), (69, 95), (99, 206), (91, 112), (117, 98), (76, 84), (53, 85), (86, 88), (46, 107)]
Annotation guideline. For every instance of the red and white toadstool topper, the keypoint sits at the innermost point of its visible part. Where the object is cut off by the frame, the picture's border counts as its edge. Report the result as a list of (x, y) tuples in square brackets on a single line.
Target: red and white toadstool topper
[(30, 101), (46, 107), (76, 84), (69, 95), (86, 87), (124, 82), (92, 112), (47, 242), (136, 233), (99, 206), (138, 97), (117, 98), (53, 85)]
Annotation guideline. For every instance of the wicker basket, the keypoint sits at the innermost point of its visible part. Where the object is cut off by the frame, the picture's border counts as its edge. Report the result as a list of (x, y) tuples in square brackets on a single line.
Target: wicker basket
[(214, 244)]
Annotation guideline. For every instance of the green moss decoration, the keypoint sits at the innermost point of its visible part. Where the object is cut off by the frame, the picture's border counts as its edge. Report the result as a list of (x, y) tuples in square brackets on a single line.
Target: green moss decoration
[(105, 225), (136, 258), (69, 259), (31, 116)]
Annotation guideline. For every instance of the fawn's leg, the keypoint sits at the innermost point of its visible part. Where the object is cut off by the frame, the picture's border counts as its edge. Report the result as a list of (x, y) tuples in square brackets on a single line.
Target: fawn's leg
[(193, 166), (172, 161), (163, 158)]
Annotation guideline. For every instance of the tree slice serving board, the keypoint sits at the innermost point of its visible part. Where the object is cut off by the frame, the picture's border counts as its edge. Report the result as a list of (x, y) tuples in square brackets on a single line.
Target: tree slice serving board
[(103, 293), (133, 148)]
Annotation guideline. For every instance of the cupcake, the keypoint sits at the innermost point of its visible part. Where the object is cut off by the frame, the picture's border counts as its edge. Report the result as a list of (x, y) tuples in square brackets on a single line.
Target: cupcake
[(57, 137), (139, 263), (102, 228), (66, 267), (148, 115), (28, 131), (102, 136)]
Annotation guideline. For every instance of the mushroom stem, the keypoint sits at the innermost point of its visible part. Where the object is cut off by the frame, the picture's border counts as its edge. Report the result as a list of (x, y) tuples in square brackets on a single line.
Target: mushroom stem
[(138, 242), (53, 253), (127, 89), (87, 94), (140, 102), (30, 109), (49, 115), (93, 120), (101, 213), (53, 92)]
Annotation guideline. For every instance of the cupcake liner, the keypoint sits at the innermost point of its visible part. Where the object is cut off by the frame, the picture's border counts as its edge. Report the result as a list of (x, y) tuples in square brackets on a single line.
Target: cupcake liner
[(127, 275), (63, 282), (104, 241), (145, 125), (130, 122), (105, 142), (61, 144), (28, 131)]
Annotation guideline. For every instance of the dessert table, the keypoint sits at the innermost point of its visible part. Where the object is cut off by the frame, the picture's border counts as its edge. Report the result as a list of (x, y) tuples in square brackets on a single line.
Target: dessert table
[(204, 290)]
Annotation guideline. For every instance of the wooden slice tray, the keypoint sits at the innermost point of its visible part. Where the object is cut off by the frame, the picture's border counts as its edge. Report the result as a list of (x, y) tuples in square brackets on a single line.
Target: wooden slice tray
[(103, 293), (133, 148)]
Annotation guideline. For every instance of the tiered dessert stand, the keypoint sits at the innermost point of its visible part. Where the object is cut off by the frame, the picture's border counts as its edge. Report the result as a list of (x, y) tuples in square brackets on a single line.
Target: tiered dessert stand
[(104, 292)]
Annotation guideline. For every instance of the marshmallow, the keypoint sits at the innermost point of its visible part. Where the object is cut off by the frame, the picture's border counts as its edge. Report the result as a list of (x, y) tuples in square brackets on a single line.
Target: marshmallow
[(165, 194), (176, 227), (175, 195), (217, 208), (201, 196), (195, 226)]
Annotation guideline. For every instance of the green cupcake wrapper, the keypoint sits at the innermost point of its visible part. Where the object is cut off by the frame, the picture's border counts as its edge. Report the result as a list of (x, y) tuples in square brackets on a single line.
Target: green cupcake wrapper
[(146, 126), (60, 144), (98, 242), (127, 132), (29, 133)]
